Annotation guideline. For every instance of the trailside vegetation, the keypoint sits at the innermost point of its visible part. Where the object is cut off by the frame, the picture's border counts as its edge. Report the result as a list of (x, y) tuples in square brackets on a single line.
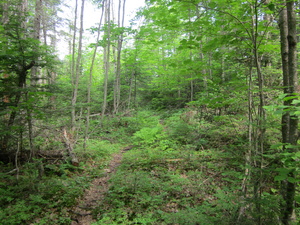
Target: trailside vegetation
[(201, 99)]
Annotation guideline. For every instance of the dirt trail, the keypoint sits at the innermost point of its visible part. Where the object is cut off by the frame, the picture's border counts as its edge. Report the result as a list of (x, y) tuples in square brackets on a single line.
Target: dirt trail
[(82, 213)]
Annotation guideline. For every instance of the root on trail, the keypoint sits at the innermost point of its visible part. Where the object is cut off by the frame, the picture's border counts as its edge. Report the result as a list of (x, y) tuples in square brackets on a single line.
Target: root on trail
[(82, 213)]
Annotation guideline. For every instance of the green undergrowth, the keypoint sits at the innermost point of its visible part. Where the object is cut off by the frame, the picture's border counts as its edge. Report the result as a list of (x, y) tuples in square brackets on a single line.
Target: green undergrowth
[(97, 155), (178, 172), (152, 186), (27, 198), (163, 187), (187, 173)]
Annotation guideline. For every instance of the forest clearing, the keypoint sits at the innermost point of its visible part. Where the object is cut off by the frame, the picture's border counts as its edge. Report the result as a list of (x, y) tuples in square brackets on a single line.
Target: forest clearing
[(186, 113)]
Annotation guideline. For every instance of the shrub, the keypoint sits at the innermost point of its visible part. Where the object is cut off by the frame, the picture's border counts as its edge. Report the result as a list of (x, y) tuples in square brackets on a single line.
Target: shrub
[(25, 199), (147, 136)]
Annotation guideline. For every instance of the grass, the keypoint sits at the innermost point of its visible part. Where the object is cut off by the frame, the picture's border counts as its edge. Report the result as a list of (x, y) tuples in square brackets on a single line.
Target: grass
[(177, 173), (185, 174), (157, 187), (27, 199)]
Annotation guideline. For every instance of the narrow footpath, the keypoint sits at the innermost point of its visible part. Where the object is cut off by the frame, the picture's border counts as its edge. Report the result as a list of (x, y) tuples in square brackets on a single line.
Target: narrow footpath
[(82, 213)]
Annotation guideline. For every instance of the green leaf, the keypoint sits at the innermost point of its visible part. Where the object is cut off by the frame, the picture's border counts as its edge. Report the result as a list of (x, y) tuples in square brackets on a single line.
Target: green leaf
[(296, 101), (273, 190), (172, 10), (278, 112), (271, 6), (297, 113), (269, 107), (277, 146), (188, 61), (183, 41), (282, 96), (280, 178), (291, 146), (291, 180), (297, 199), (283, 170), (289, 98), (297, 154)]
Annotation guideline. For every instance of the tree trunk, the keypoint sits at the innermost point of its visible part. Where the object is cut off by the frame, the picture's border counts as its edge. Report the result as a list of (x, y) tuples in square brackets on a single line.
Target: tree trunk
[(35, 77), (90, 83), (288, 37), (130, 89), (106, 57), (285, 70), (73, 79), (23, 8), (260, 128), (119, 49), (34, 74), (22, 76), (77, 69)]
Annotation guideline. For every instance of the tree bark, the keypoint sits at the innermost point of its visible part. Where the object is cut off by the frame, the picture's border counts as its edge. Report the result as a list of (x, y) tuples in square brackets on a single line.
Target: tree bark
[(35, 76), (119, 50), (90, 83), (22, 75), (73, 79), (285, 70), (288, 36), (106, 57), (77, 69)]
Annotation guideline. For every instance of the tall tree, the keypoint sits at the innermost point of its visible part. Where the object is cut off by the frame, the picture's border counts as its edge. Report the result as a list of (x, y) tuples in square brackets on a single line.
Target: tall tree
[(106, 54), (73, 66), (17, 59), (117, 86), (91, 77), (76, 66), (35, 76), (288, 36)]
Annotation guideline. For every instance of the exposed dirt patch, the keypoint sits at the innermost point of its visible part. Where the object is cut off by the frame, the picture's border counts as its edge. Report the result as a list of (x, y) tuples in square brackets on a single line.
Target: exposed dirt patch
[(82, 213)]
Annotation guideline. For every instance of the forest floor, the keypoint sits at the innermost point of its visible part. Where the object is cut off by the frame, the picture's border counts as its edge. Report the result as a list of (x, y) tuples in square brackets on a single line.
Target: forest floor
[(96, 193)]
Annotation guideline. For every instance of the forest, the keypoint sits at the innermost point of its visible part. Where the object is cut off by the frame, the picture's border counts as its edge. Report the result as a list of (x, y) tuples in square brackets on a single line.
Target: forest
[(181, 112)]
